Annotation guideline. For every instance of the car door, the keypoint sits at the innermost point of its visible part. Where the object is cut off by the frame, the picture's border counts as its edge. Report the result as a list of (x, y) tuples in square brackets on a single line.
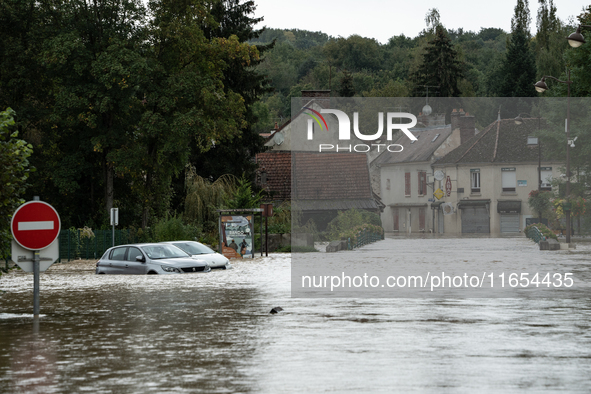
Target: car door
[(132, 266), (116, 264)]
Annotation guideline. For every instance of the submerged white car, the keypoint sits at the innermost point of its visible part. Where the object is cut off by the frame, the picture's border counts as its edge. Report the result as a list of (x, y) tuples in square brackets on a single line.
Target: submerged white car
[(203, 252)]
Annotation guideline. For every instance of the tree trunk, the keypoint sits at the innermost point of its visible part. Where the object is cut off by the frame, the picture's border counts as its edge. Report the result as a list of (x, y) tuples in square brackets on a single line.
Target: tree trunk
[(109, 190)]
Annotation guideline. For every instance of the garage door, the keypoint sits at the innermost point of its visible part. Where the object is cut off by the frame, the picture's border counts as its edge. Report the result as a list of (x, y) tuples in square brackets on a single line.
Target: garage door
[(475, 220), (510, 223)]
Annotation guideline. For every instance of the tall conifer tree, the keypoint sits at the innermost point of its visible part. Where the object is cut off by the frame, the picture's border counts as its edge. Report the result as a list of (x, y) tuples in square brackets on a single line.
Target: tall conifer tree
[(518, 71), (441, 65)]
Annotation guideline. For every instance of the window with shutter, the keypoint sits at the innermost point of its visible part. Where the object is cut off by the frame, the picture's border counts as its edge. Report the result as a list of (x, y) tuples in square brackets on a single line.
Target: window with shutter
[(407, 184), (509, 179), (475, 180), (422, 183)]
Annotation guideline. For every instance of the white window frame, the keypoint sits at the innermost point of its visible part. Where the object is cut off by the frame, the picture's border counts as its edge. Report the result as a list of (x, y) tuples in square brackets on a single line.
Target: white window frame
[(509, 180), (546, 176), (475, 180)]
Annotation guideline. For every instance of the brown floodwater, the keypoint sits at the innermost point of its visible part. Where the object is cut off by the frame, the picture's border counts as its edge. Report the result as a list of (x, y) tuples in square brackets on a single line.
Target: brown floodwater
[(213, 333)]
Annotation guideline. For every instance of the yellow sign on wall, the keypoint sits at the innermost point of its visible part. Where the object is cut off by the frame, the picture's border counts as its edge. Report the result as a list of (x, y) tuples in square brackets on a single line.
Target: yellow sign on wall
[(438, 194)]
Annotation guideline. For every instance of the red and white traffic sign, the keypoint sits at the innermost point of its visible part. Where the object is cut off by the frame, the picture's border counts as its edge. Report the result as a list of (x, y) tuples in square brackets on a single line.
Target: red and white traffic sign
[(35, 225)]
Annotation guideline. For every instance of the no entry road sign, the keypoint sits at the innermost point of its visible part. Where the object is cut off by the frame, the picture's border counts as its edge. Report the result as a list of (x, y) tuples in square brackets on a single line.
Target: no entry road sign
[(35, 225)]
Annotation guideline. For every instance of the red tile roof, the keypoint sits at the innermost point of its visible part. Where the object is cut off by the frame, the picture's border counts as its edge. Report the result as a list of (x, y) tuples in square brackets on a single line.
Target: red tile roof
[(278, 168), (326, 176)]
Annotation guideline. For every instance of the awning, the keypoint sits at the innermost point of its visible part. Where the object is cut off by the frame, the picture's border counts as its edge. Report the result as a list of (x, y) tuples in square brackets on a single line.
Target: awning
[(509, 206), (408, 205), (472, 203)]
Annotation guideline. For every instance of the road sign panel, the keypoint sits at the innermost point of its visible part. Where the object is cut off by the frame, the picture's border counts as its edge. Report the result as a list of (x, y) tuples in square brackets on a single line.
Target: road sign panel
[(24, 257), (448, 186), (438, 194), (35, 225)]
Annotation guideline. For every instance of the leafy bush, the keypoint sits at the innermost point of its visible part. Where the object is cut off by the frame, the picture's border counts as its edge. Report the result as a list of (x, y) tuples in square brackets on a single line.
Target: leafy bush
[(280, 222), (578, 206), (243, 197), (205, 197), (211, 238), (348, 223), (354, 233), (546, 232), (172, 228), (540, 202)]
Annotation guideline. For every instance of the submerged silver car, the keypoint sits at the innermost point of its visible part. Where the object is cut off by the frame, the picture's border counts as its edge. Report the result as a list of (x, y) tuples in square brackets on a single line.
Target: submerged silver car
[(149, 259), (203, 252)]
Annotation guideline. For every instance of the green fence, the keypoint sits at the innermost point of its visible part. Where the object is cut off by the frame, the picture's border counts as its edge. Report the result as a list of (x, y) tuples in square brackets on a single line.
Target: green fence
[(75, 244), (365, 237), (536, 235)]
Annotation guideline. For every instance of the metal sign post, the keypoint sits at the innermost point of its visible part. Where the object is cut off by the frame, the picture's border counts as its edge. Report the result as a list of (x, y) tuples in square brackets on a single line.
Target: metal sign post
[(267, 212), (36, 284), (35, 227), (114, 221)]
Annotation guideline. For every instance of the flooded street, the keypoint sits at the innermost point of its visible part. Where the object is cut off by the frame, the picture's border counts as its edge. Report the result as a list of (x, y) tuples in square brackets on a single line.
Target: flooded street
[(213, 333)]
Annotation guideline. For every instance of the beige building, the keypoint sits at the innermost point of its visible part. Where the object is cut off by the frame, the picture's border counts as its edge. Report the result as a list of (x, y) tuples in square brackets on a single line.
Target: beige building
[(406, 178), (487, 180)]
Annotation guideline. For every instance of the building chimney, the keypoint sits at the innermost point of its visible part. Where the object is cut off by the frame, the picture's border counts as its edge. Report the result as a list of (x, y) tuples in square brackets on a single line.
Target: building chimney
[(467, 127), (320, 97), (455, 120)]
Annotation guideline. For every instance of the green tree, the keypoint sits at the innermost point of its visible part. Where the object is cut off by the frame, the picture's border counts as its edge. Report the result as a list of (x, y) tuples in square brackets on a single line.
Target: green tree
[(354, 53), (432, 20), (549, 41), (517, 74), (240, 76), (243, 196), (94, 56), (132, 91), (391, 89), (14, 154), (185, 103), (547, 22), (577, 59), (440, 66), (346, 89)]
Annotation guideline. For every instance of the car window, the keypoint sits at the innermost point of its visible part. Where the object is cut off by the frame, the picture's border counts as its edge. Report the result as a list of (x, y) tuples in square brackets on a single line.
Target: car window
[(193, 247), (163, 251), (133, 253), (118, 254)]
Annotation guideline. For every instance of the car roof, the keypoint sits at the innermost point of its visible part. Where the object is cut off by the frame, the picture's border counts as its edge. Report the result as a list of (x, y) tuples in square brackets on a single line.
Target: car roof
[(170, 242), (139, 244)]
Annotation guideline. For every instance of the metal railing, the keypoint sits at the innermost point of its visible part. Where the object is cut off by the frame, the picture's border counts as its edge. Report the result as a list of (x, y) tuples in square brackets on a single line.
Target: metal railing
[(536, 235), (363, 238)]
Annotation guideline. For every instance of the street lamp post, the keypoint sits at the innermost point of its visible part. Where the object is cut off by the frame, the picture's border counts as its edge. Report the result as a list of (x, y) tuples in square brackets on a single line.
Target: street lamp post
[(518, 121), (542, 87), (575, 40)]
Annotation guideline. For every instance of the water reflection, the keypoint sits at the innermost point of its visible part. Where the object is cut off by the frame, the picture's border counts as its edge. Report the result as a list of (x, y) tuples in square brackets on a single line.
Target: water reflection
[(134, 341)]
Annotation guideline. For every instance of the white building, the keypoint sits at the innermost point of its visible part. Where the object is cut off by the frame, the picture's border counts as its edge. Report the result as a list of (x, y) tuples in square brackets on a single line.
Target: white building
[(406, 178), (489, 178)]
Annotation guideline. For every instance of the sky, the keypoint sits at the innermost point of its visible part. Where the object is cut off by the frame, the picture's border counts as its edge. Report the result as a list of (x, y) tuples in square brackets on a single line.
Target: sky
[(382, 19)]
